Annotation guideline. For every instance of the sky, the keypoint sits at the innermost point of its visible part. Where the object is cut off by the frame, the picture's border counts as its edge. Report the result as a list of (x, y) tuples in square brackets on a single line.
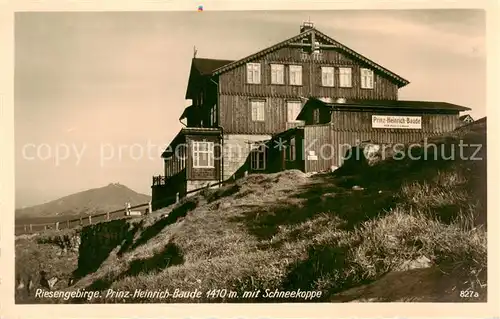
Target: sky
[(98, 94)]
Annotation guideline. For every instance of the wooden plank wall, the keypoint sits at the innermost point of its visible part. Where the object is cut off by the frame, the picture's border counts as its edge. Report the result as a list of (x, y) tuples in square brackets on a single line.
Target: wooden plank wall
[(236, 115), (349, 131), (318, 139), (361, 121), (235, 93)]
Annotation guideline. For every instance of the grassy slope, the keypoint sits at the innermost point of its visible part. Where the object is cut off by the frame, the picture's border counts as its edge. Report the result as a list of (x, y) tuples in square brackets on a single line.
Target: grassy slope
[(290, 231)]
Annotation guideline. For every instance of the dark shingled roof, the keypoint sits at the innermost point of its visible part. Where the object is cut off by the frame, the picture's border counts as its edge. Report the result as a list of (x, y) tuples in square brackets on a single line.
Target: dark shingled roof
[(402, 104), (207, 66), (387, 104)]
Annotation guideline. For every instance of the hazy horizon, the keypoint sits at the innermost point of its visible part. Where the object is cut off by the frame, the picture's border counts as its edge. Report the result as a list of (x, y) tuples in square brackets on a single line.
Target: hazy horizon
[(115, 82)]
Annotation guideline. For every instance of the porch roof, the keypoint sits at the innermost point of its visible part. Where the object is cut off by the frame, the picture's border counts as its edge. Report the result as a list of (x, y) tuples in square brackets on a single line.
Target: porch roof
[(383, 104)]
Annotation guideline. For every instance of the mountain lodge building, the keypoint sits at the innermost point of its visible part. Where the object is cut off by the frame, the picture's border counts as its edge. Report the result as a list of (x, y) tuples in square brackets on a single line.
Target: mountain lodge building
[(306, 88)]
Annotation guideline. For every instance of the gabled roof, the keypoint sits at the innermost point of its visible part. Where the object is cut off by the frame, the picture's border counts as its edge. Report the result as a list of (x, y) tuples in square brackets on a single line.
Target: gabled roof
[(463, 117), (203, 67), (207, 66), (401, 81), (384, 104)]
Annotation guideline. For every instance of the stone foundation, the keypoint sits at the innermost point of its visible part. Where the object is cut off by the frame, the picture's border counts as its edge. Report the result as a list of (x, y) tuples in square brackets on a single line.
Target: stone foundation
[(236, 150), (191, 185)]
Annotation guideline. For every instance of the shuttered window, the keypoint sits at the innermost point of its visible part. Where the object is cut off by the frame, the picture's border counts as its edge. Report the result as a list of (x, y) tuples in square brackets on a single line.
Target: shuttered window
[(257, 107), (345, 77), (327, 76), (293, 110), (277, 74), (366, 79), (253, 73), (295, 74)]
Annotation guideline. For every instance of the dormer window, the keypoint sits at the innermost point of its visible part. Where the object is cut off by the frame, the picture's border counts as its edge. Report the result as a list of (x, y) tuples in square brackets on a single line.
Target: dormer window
[(366, 78), (253, 73)]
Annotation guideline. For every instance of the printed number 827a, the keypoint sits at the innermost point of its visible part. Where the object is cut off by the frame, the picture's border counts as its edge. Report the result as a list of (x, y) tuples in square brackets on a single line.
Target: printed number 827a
[(469, 294)]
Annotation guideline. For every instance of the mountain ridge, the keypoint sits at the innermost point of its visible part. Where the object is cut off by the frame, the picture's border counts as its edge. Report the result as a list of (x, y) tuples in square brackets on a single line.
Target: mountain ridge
[(101, 199)]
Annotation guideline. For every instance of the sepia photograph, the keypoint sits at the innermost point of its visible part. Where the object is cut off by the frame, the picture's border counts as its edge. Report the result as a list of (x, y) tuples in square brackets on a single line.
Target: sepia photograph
[(203, 156)]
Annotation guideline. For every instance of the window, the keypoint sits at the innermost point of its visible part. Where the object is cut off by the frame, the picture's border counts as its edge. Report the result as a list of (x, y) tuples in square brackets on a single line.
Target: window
[(316, 116), (345, 77), (257, 110), (327, 75), (182, 156), (253, 73), (366, 79), (293, 110), (258, 157), (316, 47), (295, 74), (213, 118), (277, 74), (291, 150), (203, 154)]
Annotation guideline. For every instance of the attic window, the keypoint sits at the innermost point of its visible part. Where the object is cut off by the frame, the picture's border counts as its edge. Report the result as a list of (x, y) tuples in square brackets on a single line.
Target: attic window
[(253, 73), (366, 78), (316, 48)]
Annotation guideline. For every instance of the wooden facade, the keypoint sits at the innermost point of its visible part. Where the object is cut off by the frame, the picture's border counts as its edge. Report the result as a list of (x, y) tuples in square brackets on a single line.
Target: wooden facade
[(236, 93), (341, 126), (332, 110)]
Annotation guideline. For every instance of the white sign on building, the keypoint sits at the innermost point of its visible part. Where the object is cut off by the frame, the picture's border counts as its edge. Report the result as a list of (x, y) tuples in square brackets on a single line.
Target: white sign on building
[(396, 121)]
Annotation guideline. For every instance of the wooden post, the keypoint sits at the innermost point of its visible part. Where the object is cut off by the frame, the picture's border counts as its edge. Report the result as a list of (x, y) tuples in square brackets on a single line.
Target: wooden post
[(177, 197), (57, 225), (25, 228), (246, 173), (81, 221), (44, 227), (107, 216), (31, 227), (90, 219), (150, 207)]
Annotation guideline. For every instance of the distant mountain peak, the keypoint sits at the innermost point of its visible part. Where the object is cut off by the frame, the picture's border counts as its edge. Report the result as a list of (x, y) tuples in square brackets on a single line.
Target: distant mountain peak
[(107, 198)]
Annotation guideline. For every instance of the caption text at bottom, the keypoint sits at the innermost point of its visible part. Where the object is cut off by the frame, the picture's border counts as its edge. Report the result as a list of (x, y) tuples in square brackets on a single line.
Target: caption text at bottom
[(178, 294)]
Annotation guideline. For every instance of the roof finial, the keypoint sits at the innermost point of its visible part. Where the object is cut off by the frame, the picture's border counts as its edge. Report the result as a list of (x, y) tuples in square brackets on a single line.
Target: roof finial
[(194, 51)]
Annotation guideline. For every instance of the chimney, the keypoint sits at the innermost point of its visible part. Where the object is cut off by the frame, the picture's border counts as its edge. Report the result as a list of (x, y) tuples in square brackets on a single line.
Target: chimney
[(306, 26)]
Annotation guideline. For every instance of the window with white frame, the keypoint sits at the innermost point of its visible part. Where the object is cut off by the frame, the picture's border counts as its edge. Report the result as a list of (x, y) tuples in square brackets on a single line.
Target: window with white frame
[(253, 73), (203, 154), (277, 74), (366, 79), (327, 73), (258, 157), (257, 107), (345, 77), (295, 74), (293, 109)]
